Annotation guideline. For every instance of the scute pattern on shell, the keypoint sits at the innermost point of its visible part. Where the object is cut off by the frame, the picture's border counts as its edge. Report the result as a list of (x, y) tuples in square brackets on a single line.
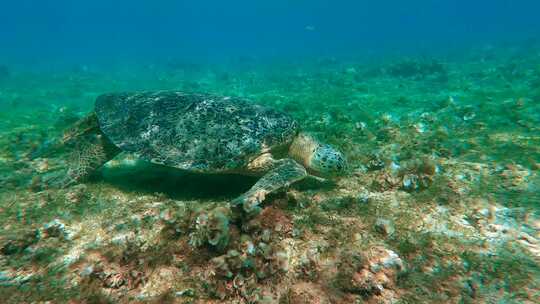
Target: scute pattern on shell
[(199, 132)]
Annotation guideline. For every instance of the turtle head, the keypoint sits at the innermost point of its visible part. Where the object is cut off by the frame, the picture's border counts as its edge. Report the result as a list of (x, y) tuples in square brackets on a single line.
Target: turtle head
[(318, 158), (327, 161)]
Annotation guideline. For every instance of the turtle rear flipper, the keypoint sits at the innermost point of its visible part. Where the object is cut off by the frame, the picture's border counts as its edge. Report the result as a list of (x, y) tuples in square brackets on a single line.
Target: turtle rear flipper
[(90, 149), (284, 173), (87, 125), (90, 154)]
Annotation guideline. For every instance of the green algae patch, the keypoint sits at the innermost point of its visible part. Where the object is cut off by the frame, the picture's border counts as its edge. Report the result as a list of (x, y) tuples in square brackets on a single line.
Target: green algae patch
[(439, 202)]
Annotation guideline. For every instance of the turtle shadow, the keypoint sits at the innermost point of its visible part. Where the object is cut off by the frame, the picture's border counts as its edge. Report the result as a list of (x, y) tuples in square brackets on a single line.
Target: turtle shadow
[(175, 183)]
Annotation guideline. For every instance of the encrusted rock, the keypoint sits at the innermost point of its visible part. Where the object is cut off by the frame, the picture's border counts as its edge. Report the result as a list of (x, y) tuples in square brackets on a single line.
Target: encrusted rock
[(76, 194), (371, 274), (384, 227), (56, 228), (211, 228)]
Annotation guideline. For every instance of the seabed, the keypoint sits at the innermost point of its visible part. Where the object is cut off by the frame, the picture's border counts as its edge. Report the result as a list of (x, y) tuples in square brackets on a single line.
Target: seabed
[(440, 203)]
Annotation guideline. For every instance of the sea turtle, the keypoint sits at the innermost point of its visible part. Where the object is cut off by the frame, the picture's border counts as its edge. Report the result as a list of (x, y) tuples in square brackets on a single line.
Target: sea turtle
[(202, 133)]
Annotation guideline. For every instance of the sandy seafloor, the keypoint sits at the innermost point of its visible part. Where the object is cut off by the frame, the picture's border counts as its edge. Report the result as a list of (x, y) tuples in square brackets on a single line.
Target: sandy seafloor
[(440, 203)]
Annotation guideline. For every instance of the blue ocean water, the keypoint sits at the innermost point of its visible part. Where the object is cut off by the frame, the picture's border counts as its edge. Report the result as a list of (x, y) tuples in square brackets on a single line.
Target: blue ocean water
[(86, 31)]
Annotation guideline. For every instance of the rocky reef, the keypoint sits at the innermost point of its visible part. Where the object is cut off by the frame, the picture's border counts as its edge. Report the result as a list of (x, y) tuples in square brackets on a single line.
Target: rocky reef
[(439, 204)]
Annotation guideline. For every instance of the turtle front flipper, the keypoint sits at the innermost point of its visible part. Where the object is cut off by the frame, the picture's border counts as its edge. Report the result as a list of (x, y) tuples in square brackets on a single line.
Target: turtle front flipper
[(283, 174)]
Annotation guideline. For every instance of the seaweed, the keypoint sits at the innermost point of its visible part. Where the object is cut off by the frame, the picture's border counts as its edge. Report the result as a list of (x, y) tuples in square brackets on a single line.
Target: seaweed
[(449, 140)]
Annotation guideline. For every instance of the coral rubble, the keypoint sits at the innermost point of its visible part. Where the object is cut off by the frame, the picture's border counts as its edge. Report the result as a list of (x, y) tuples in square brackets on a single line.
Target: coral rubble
[(440, 203)]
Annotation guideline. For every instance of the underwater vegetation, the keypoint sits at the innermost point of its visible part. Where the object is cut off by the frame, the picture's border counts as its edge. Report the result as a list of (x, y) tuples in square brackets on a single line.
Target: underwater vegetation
[(439, 202), (418, 69)]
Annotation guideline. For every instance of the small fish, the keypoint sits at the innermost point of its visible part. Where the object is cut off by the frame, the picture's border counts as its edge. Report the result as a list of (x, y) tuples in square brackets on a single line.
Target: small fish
[(310, 28)]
